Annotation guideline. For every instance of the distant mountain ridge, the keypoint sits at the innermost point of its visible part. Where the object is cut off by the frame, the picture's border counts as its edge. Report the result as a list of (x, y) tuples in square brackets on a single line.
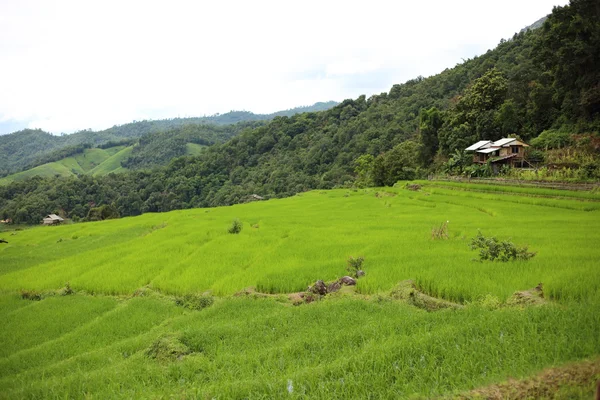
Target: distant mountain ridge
[(29, 148), (536, 25)]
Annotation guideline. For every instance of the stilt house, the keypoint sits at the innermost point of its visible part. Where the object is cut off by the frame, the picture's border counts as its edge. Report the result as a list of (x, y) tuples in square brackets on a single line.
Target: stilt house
[(507, 151)]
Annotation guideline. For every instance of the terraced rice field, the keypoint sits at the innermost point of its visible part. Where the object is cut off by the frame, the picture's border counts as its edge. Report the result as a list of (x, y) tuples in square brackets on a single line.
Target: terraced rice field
[(94, 161), (123, 334)]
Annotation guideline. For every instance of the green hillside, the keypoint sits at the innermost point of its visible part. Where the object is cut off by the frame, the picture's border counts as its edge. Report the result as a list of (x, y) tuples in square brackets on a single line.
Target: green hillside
[(128, 330), (33, 147), (67, 167), (112, 164), (93, 161)]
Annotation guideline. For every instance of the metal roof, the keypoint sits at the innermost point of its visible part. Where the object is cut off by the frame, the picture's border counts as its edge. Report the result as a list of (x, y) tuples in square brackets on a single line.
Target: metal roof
[(503, 142), (54, 217), (478, 145), (488, 150)]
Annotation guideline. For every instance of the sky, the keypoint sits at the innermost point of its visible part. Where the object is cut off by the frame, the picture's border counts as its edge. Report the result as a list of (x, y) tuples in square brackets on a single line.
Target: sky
[(68, 65)]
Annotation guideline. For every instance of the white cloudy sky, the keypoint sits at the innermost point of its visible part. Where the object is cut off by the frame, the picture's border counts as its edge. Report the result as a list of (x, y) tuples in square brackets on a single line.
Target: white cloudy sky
[(72, 65)]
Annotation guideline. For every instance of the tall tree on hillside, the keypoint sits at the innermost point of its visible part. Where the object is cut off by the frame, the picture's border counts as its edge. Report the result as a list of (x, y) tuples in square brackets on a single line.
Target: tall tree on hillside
[(570, 50), (430, 121), (475, 114)]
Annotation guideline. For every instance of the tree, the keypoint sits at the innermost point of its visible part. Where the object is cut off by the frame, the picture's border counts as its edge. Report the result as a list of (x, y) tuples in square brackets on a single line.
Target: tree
[(400, 163), (364, 170), (473, 117), (430, 121)]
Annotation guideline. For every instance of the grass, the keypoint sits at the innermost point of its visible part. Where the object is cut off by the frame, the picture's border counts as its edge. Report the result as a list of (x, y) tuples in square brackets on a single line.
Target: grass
[(299, 240), (498, 187), (194, 149), (112, 164), (367, 345)]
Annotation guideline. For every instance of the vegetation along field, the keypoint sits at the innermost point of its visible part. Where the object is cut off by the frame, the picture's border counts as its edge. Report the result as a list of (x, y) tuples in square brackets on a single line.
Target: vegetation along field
[(172, 305)]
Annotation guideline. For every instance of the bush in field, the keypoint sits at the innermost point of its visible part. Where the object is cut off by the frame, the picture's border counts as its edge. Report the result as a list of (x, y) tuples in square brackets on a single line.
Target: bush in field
[(67, 290), (167, 348), (236, 226), (195, 301), (354, 267), (490, 248), (103, 212)]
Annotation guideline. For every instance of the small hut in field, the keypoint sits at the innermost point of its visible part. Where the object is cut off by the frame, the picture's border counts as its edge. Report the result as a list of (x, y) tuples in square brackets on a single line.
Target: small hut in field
[(52, 219)]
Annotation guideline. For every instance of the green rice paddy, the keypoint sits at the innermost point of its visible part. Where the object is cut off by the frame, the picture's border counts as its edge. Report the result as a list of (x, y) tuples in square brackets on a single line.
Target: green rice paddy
[(97, 343)]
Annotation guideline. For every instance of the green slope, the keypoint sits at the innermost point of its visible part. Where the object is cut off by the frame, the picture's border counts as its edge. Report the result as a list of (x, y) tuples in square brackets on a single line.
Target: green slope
[(94, 161), (92, 158), (113, 163), (287, 244), (193, 149), (358, 343), (66, 167)]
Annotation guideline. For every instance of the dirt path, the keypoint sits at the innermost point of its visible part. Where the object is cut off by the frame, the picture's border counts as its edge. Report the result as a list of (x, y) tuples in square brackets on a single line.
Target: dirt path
[(572, 381)]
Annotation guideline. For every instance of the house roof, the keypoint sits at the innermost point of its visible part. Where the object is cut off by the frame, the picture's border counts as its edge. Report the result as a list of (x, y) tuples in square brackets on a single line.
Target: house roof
[(485, 144), (54, 217), (505, 142), (488, 150), (478, 145)]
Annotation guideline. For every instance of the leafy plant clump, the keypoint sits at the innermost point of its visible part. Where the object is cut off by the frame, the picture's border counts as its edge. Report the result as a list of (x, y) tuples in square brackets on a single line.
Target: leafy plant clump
[(354, 267), (67, 290), (195, 301), (167, 348), (236, 226), (492, 249)]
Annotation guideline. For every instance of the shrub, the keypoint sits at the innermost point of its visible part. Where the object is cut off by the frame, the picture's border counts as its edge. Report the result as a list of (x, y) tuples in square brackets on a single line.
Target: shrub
[(490, 302), (195, 301), (67, 290), (490, 248), (354, 267), (167, 348), (236, 226), (103, 212)]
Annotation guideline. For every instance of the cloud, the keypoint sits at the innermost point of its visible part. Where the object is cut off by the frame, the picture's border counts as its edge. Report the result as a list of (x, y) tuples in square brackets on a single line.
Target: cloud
[(70, 65)]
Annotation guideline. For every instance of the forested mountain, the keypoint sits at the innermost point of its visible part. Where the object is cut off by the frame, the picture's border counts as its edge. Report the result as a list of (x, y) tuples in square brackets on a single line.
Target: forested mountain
[(158, 148), (32, 147), (234, 117), (543, 80)]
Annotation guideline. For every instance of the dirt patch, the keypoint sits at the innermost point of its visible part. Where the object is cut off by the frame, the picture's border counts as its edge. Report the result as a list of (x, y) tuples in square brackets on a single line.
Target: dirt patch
[(251, 292), (407, 291), (531, 297), (383, 194), (414, 187), (577, 380)]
